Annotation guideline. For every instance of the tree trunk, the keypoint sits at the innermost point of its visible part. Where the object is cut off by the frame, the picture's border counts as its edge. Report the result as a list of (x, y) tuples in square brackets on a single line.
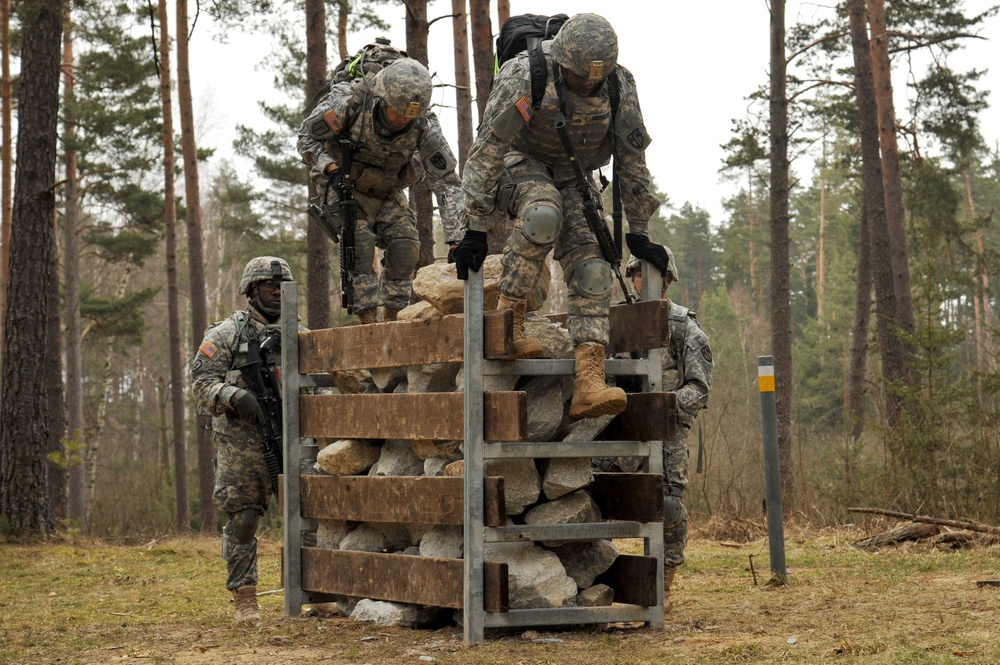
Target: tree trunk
[(821, 250), (26, 410), (752, 230), (420, 193), (892, 179), (196, 257), (874, 207), (173, 289), (503, 10), (344, 10), (781, 311), (76, 453), (482, 50), (463, 90), (317, 242), (985, 358), (7, 168)]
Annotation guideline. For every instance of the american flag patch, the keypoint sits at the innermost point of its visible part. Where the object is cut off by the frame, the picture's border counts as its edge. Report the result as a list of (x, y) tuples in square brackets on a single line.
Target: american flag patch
[(524, 106), (332, 121), (208, 349)]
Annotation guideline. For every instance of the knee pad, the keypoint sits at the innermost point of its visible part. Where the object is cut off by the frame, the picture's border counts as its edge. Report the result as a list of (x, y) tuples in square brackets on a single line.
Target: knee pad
[(400, 259), (243, 525), (592, 279), (673, 505), (541, 223)]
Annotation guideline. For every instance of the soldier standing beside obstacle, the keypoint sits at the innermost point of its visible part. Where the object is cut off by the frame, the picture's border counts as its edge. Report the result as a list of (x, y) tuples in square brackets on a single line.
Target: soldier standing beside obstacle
[(244, 474)]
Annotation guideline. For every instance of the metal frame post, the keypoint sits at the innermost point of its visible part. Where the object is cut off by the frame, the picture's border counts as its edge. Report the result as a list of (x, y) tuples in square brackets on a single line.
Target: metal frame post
[(772, 470), (472, 607), (291, 510)]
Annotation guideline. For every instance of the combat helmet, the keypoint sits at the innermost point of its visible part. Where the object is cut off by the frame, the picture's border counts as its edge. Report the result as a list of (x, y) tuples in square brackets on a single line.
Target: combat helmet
[(587, 46), (634, 265), (405, 85), (261, 269)]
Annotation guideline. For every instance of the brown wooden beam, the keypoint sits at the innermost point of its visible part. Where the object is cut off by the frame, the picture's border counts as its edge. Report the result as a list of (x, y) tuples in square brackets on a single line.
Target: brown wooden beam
[(633, 578), (399, 499), (636, 497), (399, 578), (637, 327), (435, 416), (401, 343), (647, 417)]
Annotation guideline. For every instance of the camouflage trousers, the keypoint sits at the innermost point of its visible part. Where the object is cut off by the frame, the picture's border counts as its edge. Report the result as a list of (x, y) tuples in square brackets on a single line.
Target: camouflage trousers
[(523, 258), (391, 225), (241, 483), (676, 461)]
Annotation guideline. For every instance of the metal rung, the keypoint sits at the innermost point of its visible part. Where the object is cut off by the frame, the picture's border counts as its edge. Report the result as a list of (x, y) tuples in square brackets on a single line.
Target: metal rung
[(548, 366), (570, 615), (584, 531), (516, 449)]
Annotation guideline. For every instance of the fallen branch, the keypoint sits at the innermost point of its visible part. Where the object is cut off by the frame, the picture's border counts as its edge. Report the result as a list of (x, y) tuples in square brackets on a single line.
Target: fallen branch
[(926, 519)]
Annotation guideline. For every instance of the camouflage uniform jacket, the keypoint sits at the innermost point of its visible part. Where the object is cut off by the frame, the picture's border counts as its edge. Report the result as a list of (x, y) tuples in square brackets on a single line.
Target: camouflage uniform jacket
[(214, 374), (690, 343), (384, 162), (511, 124)]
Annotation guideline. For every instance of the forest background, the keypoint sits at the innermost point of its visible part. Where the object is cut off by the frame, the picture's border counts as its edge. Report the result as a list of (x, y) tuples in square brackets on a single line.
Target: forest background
[(879, 409)]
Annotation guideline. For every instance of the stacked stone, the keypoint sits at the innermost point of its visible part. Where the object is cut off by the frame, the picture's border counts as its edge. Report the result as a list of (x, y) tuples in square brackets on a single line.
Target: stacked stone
[(543, 491)]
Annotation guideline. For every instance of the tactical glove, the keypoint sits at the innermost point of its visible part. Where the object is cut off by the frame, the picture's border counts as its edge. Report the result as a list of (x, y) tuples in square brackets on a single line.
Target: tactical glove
[(643, 248), (470, 252), (245, 404)]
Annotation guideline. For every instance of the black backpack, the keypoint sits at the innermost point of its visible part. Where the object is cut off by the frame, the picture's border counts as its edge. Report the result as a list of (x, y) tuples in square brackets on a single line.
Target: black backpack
[(369, 60), (526, 32)]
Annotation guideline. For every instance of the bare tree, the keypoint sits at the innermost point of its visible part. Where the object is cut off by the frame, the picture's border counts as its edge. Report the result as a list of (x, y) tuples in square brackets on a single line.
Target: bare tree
[(7, 168), (317, 242), (196, 256), (344, 9), (173, 287), (27, 411), (781, 310), (420, 194), (482, 50), (75, 425), (892, 178), (463, 89)]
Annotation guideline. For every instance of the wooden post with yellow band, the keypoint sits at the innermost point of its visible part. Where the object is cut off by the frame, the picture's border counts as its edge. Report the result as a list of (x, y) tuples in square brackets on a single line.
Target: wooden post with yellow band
[(772, 471)]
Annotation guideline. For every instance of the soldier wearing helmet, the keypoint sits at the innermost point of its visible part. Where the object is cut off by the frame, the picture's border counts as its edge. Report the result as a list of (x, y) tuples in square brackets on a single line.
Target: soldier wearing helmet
[(242, 483), (687, 372), (518, 164), (395, 140)]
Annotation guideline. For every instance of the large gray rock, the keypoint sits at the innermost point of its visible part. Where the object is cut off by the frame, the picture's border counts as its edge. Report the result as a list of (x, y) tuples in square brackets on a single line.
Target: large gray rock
[(585, 560), (366, 538), (419, 311), (397, 459), (566, 474), (585, 429), (436, 378), (434, 466), (439, 285), (443, 541), (599, 595), (329, 533), (574, 508), (522, 484), (387, 379), (554, 338), (546, 398), (399, 536), (537, 578), (427, 449), (385, 613), (348, 456)]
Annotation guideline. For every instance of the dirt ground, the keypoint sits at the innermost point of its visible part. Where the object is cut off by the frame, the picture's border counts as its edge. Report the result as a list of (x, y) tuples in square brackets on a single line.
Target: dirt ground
[(163, 602)]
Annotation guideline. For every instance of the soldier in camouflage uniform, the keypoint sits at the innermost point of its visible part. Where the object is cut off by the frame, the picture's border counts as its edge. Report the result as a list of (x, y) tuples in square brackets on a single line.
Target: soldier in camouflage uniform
[(518, 163), (395, 140), (687, 372), (242, 483)]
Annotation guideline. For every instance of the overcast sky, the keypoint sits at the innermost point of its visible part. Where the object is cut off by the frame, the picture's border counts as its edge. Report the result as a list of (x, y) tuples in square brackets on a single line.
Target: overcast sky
[(694, 64)]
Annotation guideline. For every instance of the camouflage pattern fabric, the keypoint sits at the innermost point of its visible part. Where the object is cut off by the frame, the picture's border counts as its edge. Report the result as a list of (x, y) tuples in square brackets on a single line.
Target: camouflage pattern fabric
[(385, 164), (521, 144), (241, 478)]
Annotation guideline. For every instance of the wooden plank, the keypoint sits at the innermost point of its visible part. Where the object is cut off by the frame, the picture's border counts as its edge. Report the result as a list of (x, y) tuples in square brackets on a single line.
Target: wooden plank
[(401, 343), (637, 327), (398, 499), (435, 416), (633, 578), (634, 497), (399, 578), (647, 417), (495, 510)]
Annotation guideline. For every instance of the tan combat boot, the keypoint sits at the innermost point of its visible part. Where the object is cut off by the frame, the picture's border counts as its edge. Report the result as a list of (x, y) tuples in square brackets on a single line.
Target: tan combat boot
[(524, 347), (668, 580), (246, 604), (593, 397), (368, 316)]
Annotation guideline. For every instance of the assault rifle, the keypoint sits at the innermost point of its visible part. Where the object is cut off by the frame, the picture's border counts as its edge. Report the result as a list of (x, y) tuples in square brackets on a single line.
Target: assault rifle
[(264, 385), (345, 234), (591, 209)]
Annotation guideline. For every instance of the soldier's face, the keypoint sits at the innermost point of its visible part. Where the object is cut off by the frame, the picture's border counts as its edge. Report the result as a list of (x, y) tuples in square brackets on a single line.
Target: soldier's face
[(397, 119), (270, 293), (580, 85)]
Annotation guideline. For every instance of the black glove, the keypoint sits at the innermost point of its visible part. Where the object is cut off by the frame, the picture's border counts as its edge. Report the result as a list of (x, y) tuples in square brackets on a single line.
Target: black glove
[(470, 252), (643, 248), (246, 405), (451, 253)]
